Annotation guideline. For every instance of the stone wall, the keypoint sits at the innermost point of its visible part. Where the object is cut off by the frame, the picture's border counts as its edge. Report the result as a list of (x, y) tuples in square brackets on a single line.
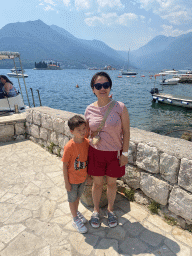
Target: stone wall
[(159, 169), (12, 127)]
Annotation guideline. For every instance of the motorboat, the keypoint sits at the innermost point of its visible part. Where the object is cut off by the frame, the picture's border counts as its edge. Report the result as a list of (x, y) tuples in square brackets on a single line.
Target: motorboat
[(169, 81), (128, 72), (170, 99), (16, 74), (19, 70), (13, 104)]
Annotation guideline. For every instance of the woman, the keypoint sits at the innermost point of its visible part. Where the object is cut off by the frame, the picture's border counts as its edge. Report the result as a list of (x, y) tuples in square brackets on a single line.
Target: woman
[(108, 157), (8, 88)]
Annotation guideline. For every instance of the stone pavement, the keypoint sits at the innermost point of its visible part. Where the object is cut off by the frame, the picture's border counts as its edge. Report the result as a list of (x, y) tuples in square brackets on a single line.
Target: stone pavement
[(35, 219)]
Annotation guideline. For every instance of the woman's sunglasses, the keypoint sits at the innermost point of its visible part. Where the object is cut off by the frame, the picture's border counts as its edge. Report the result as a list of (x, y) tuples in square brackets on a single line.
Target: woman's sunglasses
[(98, 86)]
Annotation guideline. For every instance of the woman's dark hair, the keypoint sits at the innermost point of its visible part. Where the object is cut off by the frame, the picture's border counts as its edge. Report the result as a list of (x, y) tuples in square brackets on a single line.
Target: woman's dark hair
[(100, 74), (7, 79), (75, 121)]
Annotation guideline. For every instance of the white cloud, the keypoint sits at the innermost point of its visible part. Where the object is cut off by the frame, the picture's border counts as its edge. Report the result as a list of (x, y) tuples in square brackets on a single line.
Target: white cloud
[(169, 31), (109, 3), (49, 2), (88, 13), (110, 19), (82, 4), (175, 11), (125, 18), (177, 18), (47, 8), (104, 19), (41, 4), (66, 2)]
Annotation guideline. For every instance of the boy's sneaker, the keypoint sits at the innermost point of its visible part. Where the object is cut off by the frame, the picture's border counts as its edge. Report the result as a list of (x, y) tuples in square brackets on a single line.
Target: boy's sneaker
[(78, 224), (81, 217)]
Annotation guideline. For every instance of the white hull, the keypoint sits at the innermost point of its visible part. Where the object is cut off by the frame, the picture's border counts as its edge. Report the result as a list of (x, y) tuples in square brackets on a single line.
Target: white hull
[(171, 81), (17, 75), (172, 100), (8, 104)]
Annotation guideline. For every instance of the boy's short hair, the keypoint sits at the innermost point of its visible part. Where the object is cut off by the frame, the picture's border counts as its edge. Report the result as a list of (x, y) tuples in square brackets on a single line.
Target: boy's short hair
[(75, 122)]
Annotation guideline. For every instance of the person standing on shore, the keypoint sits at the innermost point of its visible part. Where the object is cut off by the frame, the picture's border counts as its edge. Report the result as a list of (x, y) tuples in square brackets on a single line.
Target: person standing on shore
[(75, 168), (110, 155)]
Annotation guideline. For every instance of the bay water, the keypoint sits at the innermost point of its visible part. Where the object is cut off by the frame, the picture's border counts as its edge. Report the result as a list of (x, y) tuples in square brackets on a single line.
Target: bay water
[(58, 90)]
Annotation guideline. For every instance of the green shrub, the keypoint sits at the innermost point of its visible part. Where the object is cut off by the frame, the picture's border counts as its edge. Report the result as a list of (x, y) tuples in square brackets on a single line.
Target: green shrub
[(50, 147), (170, 220), (59, 152), (129, 194), (154, 207)]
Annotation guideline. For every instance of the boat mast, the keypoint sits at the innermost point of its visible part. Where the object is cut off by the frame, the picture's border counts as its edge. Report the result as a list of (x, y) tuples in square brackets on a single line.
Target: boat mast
[(128, 60)]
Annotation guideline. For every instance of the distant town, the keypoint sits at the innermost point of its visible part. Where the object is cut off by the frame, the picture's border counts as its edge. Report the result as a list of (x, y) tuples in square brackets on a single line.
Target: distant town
[(56, 65)]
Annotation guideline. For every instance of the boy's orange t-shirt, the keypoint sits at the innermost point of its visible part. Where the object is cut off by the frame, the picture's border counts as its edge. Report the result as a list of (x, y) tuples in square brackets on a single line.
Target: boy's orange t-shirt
[(76, 155)]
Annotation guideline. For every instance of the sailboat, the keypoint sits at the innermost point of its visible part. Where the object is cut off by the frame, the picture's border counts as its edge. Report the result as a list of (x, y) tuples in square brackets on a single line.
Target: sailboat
[(127, 72)]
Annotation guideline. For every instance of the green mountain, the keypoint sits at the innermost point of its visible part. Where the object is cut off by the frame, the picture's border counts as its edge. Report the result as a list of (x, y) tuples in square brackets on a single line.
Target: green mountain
[(36, 41), (165, 53)]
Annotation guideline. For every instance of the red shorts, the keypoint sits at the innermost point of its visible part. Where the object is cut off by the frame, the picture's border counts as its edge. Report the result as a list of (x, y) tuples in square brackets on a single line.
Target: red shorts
[(101, 163)]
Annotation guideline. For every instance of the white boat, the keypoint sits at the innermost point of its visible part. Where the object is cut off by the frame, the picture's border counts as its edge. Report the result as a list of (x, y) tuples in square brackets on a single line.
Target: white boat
[(17, 72), (128, 72), (170, 99), (16, 103), (14, 74), (169, 81), (9, 104)]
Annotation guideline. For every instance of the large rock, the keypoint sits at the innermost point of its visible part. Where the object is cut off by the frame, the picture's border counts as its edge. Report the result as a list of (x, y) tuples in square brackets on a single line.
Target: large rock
[(19, 128), (154, 188), (37, 117), (53, 138), (132, 153), (132, 177), (185, 174), (180, 203), (59, 125), (34, 130), (29, 115), (46, 122), (147, 158), (169, 167), (43, 133), (6, 131)]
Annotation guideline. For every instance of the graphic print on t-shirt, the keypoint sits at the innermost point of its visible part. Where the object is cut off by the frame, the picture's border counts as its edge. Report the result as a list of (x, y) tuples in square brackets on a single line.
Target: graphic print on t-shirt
[(78, 165)]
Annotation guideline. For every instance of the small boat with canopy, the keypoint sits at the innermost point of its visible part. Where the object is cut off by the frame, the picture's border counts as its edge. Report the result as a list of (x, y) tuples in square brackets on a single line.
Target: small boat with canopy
[(16, 103)]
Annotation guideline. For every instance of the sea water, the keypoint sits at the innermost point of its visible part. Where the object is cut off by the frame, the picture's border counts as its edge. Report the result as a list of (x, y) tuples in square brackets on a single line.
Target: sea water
[(58, 90)]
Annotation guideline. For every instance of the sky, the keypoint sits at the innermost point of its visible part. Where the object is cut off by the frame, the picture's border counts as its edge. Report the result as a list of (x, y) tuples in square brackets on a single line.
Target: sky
[(121, 24)]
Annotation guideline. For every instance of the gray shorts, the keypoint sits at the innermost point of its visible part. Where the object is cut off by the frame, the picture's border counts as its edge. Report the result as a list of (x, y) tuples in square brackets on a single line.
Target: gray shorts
[(76, 192)]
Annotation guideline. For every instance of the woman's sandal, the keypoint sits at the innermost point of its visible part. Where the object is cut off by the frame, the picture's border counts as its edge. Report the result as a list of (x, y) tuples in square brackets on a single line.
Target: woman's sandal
[(94, 221), (112, 219)]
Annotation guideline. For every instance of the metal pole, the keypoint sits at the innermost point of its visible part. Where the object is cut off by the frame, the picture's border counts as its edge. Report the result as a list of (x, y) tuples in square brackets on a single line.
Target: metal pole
[(32, 97), (18, 78), (24, 81), (39, 98)]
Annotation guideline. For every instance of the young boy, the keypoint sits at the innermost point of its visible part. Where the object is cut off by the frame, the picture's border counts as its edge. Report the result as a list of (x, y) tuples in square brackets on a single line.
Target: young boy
[(75, 168)]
